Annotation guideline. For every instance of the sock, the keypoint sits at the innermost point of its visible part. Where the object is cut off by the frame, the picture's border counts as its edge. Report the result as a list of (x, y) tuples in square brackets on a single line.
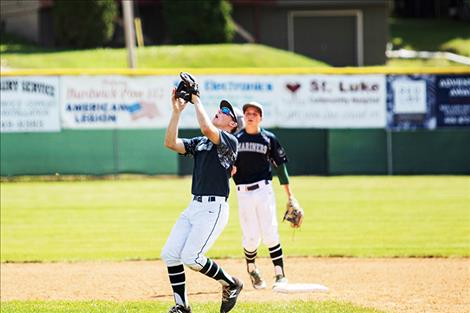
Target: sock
[(178, 283), (213, 270), (250, 258), (276, 256)]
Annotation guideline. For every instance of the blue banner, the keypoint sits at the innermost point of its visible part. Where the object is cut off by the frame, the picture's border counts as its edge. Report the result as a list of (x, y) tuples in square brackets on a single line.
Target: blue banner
[(453, 101)]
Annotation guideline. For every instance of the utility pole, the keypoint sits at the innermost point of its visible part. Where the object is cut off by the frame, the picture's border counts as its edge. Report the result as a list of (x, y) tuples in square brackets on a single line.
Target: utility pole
[(129, 32)]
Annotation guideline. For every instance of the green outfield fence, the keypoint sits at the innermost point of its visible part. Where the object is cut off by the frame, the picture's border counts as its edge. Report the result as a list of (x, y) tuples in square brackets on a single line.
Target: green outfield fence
[(369, 151), (86, 152), (310, 151)]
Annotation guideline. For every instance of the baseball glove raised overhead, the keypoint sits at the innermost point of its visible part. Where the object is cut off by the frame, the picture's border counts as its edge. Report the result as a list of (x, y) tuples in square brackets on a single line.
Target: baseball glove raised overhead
[(294, 213), (187, 87)]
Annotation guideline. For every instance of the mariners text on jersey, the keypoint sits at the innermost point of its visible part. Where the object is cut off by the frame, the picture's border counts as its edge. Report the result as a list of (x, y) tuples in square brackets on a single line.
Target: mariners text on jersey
[(252, 147), (256, 153)]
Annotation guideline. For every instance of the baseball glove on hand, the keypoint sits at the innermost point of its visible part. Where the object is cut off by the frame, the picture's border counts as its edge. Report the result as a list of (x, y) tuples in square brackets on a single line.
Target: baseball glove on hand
[(294, 213), (187, 87)]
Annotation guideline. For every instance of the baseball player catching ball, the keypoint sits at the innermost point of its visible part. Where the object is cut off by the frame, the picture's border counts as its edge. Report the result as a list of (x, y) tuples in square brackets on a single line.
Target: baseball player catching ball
[(258, 149), (207, 214)]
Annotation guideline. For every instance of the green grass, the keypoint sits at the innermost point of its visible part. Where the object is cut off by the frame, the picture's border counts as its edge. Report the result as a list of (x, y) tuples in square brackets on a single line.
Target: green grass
[(151, 307), (431, 35), (447, 35), (131, 218), (193, 56)]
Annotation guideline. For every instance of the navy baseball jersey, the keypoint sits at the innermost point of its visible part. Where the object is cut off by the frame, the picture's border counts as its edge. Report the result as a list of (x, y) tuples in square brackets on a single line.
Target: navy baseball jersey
[(256, 153), (212, 164)]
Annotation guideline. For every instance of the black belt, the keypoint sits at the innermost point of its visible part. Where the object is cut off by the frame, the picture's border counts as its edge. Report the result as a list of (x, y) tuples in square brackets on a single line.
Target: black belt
[(209, 198), (255, 186)]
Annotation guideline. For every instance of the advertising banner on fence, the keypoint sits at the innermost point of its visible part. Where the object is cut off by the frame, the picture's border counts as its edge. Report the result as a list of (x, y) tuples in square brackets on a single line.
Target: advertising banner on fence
[(305, 101), (400, 102), (453, 101), (330, 101), (238, 90), (29, 104), (107, 102), (411, 102)]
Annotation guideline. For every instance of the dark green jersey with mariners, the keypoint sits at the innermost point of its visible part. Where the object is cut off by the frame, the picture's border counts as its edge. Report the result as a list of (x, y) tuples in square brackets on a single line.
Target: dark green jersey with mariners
[(256, 153)]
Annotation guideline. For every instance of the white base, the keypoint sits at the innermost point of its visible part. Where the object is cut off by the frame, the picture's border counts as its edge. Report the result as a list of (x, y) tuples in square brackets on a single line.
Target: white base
[(296, 288)]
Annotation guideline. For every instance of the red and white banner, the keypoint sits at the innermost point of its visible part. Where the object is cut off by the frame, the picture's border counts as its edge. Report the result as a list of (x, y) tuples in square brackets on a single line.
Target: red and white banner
[(331, 101), (107, 102)]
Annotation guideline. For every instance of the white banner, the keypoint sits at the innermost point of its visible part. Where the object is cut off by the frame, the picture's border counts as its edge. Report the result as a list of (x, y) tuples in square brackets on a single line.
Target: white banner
[(236, 89), (409, 96), (108, 102), (331, 101), (300, 101), (290, 101), (29, 104)]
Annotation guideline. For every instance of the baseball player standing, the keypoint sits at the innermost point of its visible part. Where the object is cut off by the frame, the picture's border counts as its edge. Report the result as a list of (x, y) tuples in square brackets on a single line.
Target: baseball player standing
[(207, 214), (258, 149)]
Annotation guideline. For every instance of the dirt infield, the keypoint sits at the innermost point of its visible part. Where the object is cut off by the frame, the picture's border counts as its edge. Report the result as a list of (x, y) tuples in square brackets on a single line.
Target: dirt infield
[(393, 285)]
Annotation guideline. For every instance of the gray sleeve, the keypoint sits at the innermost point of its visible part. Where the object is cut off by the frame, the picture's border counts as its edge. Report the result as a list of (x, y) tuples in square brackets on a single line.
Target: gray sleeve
[(190, 145), (227, 149)]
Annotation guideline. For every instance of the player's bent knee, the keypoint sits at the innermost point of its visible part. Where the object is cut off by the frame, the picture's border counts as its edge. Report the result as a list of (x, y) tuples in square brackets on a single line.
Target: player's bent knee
[(193, 261), (193, 266), (169, 258)]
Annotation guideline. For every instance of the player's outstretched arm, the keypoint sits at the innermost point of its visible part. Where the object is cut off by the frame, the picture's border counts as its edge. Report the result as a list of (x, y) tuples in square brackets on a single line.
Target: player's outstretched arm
[(207, 128), (171, 137)]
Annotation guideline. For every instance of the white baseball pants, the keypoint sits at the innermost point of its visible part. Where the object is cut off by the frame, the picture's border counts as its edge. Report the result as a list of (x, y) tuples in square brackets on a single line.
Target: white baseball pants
[(195, 232), (258, 217)]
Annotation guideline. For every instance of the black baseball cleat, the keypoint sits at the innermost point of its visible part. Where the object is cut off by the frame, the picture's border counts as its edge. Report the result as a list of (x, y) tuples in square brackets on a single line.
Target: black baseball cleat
[(280, 280), (230, 295), (256, 280), (180, 309)]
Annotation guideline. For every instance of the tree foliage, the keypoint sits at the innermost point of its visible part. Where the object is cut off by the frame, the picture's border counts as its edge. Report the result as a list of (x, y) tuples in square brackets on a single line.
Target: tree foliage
[(84, 24), (202, 21)]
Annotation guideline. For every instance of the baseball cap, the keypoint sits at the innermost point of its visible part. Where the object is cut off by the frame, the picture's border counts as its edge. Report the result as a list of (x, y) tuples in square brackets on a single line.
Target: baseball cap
[(237, 113), (254, 105)]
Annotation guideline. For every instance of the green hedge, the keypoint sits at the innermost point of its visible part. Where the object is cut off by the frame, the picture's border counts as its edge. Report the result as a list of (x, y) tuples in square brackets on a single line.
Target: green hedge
[(202, 21), (84, 24)]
